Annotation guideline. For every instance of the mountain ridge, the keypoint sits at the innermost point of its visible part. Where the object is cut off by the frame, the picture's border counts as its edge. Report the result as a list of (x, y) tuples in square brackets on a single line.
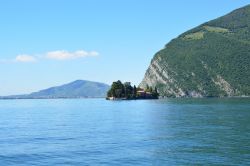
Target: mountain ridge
[(75, 89)]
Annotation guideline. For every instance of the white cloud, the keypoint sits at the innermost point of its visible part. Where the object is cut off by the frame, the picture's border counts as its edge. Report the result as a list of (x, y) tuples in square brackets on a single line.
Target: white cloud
[(65, 55), (54, 55), (25, 58)]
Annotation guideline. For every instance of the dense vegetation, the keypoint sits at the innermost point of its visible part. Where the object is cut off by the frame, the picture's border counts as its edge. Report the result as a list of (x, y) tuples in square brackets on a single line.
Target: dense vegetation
[(126, 91), (212, 59)]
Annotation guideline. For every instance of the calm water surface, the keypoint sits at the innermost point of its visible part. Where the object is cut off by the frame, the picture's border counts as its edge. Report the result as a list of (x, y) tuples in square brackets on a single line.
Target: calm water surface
[(100, 132)]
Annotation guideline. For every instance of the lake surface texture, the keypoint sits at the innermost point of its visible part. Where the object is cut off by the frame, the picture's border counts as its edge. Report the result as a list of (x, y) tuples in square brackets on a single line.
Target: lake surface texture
[(142, 132)]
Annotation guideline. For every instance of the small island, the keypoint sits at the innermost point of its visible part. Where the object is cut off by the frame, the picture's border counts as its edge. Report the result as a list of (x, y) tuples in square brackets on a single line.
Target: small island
[(124, 91)]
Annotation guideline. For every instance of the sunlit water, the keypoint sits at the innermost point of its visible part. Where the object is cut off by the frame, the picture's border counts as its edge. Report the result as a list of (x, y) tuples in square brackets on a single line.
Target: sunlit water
[(142, 132)]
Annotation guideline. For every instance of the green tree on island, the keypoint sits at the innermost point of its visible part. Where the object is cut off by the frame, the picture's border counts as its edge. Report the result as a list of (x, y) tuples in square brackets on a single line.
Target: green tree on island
[(119, 90), (134, 91)]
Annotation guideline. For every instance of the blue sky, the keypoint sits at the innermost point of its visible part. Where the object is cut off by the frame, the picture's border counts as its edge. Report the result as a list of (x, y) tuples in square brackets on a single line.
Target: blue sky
[(51, 42)]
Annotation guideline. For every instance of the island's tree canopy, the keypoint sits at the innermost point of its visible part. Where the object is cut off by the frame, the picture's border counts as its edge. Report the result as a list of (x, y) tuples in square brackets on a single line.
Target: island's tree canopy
[(126, 91)]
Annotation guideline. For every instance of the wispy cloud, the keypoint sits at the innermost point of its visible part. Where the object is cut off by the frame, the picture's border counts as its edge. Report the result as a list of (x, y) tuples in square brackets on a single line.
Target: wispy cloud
[(66, 55), (53, 55), (25, 58)]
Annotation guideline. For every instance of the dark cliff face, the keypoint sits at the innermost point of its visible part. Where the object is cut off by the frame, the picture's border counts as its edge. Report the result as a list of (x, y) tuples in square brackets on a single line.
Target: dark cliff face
[(211, 60)]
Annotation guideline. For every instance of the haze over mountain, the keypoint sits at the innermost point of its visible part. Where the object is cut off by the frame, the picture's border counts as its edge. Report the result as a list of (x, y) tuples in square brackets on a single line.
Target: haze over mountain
[(211, 60), (76, 89)]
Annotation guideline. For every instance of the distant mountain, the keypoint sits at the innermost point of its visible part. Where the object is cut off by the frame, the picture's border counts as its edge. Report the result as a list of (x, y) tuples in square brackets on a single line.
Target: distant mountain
[(211, 60), (76, 89)]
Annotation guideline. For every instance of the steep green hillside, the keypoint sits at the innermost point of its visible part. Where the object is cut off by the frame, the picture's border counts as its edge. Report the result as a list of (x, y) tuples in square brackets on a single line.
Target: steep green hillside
[(212, 59)]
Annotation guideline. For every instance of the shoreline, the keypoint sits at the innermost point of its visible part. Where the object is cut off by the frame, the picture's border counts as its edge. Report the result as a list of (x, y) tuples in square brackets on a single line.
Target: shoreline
[(119, 99), (52, 98)]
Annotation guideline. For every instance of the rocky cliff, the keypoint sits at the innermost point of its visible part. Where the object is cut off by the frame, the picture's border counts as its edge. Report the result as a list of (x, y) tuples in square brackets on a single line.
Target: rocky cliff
[(211, 60)]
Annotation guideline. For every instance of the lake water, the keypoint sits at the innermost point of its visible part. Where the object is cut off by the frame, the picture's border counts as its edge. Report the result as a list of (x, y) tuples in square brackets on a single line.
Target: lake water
[(142, 132)]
